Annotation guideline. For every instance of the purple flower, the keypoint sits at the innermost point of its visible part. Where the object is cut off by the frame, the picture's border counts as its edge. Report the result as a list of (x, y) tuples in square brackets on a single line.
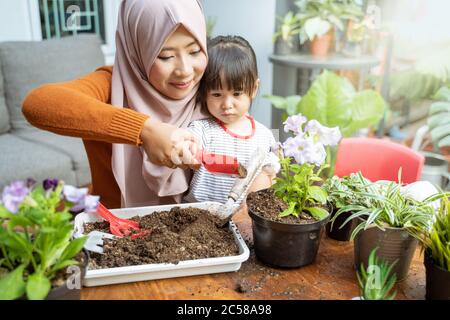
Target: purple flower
[(304, 150), (73, 194), (14, 194), (50, 184), (324, 135), (294, 123), (91, 203), (82, 201), (30, 183)]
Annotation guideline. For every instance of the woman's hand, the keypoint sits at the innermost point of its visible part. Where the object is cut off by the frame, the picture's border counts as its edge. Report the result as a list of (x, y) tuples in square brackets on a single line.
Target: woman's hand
[(169, 146)]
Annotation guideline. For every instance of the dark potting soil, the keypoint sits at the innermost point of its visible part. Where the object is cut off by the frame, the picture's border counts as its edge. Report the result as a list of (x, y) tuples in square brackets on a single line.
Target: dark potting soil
[(264, 203), (176, 235)]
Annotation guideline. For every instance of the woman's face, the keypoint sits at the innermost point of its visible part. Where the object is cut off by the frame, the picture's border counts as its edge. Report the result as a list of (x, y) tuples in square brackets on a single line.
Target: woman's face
[(179, 66)]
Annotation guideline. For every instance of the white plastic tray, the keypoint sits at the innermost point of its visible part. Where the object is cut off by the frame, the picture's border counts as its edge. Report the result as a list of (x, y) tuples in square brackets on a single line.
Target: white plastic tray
[(99, 277)]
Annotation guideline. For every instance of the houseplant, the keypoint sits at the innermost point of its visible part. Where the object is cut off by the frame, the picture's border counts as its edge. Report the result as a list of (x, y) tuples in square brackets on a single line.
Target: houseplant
[(436, 242), (388, 219), (318, 19), (357, 33), (286, 36), (37, 252), (333, 101), (340, 193), (376, 281), (288, 218), (439, 118)]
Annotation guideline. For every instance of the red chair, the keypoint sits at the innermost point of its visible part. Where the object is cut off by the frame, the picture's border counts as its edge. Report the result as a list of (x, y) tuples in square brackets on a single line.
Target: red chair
[(378, 160)]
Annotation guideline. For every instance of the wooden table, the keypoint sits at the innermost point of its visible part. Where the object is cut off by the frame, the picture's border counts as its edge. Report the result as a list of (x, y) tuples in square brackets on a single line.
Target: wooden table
[(331, 276)]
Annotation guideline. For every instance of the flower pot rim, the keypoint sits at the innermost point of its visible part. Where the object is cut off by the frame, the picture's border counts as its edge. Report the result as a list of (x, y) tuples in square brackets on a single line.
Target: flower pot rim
[(373, 225), (324, 220)]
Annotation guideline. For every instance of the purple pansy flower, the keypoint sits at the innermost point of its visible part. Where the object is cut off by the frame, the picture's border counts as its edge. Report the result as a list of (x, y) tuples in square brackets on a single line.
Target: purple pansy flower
[(91, 203), (50, 184), (73, 194), (14, 194)]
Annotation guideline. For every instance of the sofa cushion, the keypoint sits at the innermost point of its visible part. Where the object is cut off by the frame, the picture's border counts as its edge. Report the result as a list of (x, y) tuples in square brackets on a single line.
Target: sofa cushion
[(22, 159), (72, 147), (27, 65), (4, 116)]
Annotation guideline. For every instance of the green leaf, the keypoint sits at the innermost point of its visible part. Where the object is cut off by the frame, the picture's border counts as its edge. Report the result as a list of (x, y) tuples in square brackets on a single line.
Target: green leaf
[(327, 100), (316, 27), (367, 108), (73, 248), (12, 285), (317, 213), (288, 104), (64, 264), (332, 101), (4, 214), (38, 286), (318, 194), (288, 211)]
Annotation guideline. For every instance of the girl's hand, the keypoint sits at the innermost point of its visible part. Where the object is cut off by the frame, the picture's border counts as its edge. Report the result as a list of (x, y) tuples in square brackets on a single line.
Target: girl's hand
[(167, 145)]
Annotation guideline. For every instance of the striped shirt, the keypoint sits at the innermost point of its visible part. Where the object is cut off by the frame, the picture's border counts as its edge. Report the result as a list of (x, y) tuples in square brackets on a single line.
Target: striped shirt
[(206, 186)]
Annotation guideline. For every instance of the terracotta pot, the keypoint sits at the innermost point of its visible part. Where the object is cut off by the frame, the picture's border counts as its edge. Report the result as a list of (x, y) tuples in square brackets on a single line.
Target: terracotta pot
[(394, 244), (320, 46), (286, 245)]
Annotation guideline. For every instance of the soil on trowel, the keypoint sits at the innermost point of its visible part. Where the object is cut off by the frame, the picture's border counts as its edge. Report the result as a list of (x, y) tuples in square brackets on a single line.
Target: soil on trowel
[(176, 235), (265, 204)]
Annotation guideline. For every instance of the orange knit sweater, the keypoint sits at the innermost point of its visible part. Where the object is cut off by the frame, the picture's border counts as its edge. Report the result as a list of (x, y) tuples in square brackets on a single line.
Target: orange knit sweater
[(81, 108)]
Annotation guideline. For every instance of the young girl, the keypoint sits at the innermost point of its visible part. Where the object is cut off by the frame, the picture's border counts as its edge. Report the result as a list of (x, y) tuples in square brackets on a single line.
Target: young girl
[(227, 89)]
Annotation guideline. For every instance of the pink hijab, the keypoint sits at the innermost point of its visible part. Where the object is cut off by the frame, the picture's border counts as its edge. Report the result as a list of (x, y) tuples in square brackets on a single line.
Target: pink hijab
[(143, 27)]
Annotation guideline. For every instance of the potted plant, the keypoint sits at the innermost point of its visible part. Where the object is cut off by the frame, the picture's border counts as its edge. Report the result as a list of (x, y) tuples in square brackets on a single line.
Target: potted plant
[(288, 218), (319, 18), (436, 242), (341, 192), (38, 257), (388, 219), (333, 101), (286, 36), (377, 280), (356, 34)]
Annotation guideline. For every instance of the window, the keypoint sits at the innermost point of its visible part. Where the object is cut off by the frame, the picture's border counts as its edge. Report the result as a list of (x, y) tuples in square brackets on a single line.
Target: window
[(61, 18)]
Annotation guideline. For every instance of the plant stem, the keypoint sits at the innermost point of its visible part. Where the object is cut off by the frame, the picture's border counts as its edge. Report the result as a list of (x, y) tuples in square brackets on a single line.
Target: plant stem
[(8, 262)]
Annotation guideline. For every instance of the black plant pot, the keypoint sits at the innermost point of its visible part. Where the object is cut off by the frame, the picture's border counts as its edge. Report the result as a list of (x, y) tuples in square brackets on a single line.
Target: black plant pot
[(286, 245), (437, 280), (338, 233), (66, 291), (394, 244)]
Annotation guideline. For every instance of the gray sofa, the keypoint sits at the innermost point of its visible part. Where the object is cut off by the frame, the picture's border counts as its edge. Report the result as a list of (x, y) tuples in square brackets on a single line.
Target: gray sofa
[(26, 151)]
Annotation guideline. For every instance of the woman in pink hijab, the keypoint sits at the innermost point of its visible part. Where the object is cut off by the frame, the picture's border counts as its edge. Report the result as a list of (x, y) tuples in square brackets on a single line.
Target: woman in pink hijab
[(132, 117)]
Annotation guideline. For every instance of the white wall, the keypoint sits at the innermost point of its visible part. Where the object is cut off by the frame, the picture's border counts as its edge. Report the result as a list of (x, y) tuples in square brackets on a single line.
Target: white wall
[(19, 20), (255, 21)]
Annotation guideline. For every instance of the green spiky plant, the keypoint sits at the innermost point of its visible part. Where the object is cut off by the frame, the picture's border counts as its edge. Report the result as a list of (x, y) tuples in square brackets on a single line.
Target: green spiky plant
[(437, 239), (385, 205), (377, 280)]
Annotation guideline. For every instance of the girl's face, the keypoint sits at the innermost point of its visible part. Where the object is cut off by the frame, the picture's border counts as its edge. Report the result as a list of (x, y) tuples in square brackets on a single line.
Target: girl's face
[(229, 105), (179, 66)]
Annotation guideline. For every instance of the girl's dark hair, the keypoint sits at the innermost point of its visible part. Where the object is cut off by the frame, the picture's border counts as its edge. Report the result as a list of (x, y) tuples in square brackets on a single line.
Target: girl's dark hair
[(233, 58)]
